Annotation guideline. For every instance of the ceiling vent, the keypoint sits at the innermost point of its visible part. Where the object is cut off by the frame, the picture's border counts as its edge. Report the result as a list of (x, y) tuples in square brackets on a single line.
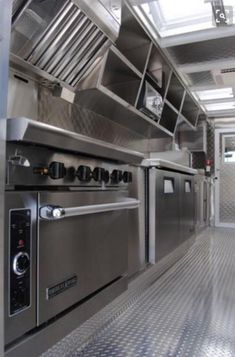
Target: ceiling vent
[(224, 77)]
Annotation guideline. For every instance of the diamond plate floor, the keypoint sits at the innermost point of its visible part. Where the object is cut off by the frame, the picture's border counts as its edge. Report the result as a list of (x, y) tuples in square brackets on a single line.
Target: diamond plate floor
[(187, 311)]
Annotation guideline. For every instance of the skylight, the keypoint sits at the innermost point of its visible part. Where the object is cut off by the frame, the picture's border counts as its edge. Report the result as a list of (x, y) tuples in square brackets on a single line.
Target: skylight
[(173, 18), (213, 94), (220, 106)]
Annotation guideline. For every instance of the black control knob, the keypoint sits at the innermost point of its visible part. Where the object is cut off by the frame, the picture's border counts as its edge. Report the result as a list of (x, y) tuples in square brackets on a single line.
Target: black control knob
[(55, 171), (21, 263), (106, 176), (84, 173), (98, 174), (127, 176), (116, 176)]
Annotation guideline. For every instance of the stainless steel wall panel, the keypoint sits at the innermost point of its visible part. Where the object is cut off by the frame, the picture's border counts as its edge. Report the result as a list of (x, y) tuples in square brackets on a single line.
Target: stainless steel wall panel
[(227, 193), (58, 112), (5, 23), (23, 97)]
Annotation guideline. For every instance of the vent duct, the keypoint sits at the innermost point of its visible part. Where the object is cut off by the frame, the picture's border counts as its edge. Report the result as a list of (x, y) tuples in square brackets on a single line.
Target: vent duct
[(62, 39)]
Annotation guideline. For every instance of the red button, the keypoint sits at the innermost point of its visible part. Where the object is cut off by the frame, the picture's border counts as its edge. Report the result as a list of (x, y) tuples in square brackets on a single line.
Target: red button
[(21, 242)]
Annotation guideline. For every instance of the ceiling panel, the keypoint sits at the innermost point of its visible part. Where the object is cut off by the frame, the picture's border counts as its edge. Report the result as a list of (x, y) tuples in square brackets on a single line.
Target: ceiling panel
[(204, 51)]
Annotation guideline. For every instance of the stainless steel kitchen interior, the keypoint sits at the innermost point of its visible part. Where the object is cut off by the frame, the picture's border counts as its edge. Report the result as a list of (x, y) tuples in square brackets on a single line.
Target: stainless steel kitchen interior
[(117, 163)]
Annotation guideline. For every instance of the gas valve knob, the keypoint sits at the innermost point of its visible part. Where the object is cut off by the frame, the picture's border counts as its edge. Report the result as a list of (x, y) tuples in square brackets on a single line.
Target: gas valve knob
[(127, 176), (84, 173), (116, 176), (98, 174), (106, 176), (55, 171)]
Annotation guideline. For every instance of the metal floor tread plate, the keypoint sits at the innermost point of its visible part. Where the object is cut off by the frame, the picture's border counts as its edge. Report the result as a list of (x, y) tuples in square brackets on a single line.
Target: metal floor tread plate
[(187, 311)]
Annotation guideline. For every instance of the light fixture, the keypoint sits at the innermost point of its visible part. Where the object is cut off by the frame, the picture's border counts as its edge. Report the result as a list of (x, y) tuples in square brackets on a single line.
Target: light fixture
[(212, 94), (220, 106)]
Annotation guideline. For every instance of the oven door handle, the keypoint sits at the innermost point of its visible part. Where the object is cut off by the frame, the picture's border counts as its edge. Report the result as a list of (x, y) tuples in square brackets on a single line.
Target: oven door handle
[(52, 213)]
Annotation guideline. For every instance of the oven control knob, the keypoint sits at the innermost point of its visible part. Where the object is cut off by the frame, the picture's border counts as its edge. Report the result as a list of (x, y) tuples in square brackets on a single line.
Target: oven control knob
[(84, 173), (55, 171), (127, 176), (21, 263), (106, 176), (98, 174), (116, 176)]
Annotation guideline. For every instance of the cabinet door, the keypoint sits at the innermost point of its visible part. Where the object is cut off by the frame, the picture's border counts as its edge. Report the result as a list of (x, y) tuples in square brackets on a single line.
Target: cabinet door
[(165, 219)]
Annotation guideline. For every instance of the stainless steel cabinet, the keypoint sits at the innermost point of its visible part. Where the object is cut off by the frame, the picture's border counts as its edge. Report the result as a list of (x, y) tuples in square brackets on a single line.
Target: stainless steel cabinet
[(171, 211), (164, 223)]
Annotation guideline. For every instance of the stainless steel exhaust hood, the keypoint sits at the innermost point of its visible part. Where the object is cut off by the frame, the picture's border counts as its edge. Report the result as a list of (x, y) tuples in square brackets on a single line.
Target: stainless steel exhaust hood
[(60, 40)]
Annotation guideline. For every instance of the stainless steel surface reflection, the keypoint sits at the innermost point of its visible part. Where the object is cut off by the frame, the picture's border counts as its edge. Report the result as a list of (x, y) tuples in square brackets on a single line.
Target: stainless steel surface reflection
[(188, 311)]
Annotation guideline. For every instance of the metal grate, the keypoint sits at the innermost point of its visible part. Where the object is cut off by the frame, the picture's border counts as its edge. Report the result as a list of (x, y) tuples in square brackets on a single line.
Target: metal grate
[(228, 70), (56, 37), (68, 45), (204, 78), (205, 51)]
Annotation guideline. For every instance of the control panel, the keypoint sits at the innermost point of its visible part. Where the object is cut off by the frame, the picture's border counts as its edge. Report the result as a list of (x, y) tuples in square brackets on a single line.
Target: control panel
[(34, 166), (20, 252), (84, 173)]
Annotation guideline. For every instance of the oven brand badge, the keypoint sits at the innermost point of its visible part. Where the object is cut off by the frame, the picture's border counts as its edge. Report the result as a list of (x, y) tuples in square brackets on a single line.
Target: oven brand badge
[(61, 287)]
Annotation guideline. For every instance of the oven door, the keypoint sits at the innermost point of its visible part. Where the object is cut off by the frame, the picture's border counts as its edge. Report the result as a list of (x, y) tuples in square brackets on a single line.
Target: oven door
[(82, 246)]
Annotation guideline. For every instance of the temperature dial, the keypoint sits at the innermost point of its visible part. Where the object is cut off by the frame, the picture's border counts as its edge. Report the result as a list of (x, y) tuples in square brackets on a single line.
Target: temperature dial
[(21, 263), (84, 173)]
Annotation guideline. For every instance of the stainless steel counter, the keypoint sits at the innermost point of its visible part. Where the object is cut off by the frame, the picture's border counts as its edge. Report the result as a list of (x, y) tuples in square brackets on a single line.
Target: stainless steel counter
[(165, 164)]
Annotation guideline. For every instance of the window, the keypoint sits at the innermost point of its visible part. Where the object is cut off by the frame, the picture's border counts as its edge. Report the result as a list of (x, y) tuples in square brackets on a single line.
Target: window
[(229, 148)]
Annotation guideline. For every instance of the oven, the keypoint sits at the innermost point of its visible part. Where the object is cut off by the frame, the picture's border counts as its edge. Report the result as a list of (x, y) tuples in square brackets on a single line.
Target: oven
[(67, 230)]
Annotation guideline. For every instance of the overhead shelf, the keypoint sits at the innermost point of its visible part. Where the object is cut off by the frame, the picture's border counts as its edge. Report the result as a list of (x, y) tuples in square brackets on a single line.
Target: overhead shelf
[(106, 103), (135, 86)]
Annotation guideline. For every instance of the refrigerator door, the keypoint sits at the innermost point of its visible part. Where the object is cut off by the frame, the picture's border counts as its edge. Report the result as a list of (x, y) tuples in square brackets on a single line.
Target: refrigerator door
[(164, 214)]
